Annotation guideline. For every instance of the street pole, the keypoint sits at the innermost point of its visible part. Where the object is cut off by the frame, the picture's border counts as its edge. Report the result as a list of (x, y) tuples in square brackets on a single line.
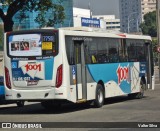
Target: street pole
[(128, 25), (89, 7), (138, 22), (158, 31)]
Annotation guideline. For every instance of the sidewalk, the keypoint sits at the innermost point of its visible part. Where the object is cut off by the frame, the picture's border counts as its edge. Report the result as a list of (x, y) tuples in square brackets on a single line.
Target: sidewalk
[(156, 74)]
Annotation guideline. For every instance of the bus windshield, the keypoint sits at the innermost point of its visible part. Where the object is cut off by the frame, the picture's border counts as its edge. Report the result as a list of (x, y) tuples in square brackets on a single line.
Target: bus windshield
[(36, 44)]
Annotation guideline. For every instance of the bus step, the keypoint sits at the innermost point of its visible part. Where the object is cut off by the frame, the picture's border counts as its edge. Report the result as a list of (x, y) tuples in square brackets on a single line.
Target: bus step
[(81, 101)]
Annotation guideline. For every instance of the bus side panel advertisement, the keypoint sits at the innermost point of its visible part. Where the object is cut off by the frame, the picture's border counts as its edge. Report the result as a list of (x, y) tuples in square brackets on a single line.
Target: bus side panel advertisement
[(120, 74)]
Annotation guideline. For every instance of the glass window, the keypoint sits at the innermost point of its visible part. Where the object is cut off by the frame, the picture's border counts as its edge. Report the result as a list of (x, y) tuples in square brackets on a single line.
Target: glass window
[(31, 45), (122, 51), (113, 50), (131, 50), (141, 51), (91, 51), (136, 50), (70, 50), (22, 45), (97, 50), (77, 53), (102, 52)]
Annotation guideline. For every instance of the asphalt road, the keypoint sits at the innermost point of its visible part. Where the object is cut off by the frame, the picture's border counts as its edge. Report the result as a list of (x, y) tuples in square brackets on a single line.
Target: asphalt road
[(118, 109), (115, 110)]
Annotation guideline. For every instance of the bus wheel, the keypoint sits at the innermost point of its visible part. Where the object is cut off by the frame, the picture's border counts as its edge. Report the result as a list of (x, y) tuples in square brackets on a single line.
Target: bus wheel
[(99, 101), (20, 103)]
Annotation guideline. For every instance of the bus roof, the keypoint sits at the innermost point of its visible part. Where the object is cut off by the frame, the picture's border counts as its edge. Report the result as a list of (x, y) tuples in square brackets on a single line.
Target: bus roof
[(98, 32), (88, 31), (134, 36)]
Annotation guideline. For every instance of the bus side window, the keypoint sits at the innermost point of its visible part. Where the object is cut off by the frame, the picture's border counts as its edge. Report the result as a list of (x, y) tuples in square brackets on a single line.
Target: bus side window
[(132, 53), (113, 55), (102, 58), (70, 50), (141, 53)]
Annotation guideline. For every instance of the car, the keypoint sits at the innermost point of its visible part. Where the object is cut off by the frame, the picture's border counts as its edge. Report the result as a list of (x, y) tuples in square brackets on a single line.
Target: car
[(2, 95)]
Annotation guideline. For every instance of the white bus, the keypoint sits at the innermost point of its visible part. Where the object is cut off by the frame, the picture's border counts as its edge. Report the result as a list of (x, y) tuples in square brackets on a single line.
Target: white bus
[(76, 65)]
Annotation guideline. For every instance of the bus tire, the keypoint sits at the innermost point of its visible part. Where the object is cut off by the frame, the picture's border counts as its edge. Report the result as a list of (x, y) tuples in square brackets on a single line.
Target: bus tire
[(140, 94), (20, 103), (99, 101)]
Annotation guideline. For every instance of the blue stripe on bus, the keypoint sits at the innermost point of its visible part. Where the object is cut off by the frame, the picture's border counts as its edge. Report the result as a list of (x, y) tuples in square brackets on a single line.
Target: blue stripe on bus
[(49, 65), (108, 72), (1, 90), (103, 72), (10, 38)]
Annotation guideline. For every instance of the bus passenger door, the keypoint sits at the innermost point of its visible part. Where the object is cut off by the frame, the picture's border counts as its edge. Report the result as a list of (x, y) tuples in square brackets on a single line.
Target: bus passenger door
[(81, 88)]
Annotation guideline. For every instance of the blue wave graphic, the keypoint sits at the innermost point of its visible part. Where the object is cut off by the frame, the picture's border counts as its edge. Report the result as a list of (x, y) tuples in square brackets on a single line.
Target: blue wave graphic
[(108, 72)]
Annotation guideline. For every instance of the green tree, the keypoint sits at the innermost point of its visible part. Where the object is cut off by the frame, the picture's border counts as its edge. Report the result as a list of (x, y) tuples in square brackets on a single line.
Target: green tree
[(40, 6), (154, 48), (149, 27)]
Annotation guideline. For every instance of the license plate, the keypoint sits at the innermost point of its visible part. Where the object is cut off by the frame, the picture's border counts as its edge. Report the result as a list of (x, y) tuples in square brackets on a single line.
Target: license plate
[(32, 82)]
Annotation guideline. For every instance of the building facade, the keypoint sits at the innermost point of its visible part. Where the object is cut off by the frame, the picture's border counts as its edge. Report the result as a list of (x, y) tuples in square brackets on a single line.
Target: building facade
[(29, 22), (148, 6), (132, 13), (110, 21)]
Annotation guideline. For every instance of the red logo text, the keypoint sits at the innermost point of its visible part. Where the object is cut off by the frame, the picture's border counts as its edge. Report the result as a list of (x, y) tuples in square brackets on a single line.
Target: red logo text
[(123, 74), (33, 67)]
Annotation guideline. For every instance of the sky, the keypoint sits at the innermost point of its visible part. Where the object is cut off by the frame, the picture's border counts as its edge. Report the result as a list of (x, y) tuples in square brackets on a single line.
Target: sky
[(100, 7)]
